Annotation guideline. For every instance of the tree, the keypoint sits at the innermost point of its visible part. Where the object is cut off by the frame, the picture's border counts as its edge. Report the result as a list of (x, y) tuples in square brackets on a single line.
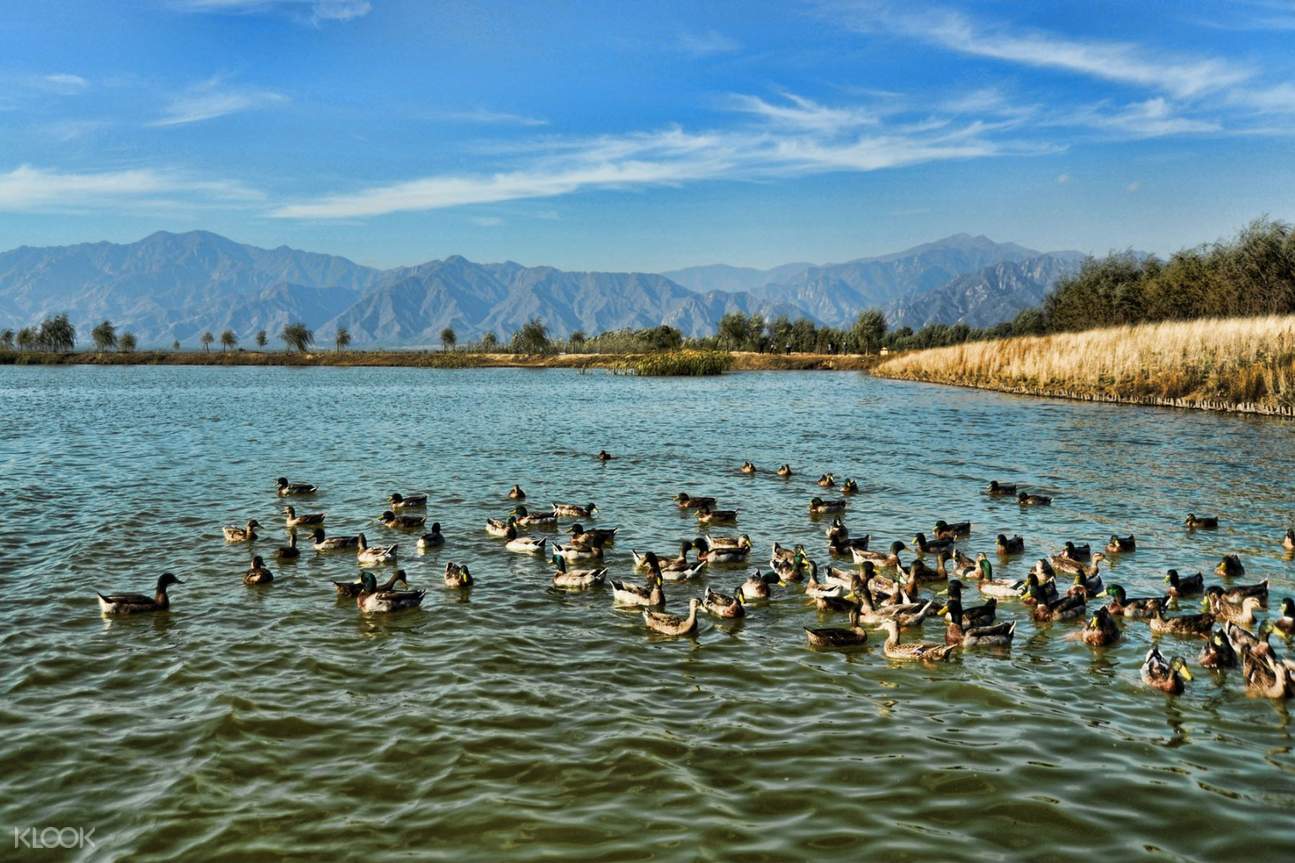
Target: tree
[(532, 338), (227, 340), (342, 339), (448, 339), (297, 337), (869, 331), (489, 342), (736, 331), (206, 338), (56, 334), (127, 343), (6, 340), (26, 339), (105, 336), (175, 345), (261, 339), (577, 339)]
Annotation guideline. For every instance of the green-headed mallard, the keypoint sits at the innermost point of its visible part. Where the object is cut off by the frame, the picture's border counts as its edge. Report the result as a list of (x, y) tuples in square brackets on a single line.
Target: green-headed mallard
[(790, 570), (1101, 629), (784, 471), (137, 603), (351, 589), (516, 493), (1025, 499), (371, 600), (533, 544), (684, 501), (1285, 624), (259, 573), (781, 552), (398, 501), (1010, 545), (500, 526), (294, 489), (706, 515), (1121, 544), (1195, 522), (835, 638), (882, 559), (988, 585), (849, 487), (1183, 624), (246, 533), (373, 555), (1167, 676), (332, 543), (1230, 567), (672, 624), (956, 530), (818, 506), (433, 539), (827, 480), (575, 510), (544, 520), (290, 551), (1137, 607), (1218, 652), (1000, 489), (402, 522), (306, 519), (1217, 605), (650, 595), (722, 605), (1184, 585), (576, 579), (747, 468), (721, 554), (922, 545), (457, 576), (915, 650)]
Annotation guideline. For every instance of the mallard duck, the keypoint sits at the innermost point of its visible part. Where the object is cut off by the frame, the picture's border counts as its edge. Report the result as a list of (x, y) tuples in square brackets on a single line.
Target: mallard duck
[(332, 543), (918, 571), (756, 586), (604, 455), (706, 515), (259, 573), (1216, 605), (290, 551), (996, 635), (1088, 570), (1230, 567), (1025, 499), (1288, 541), (1265, 675), (138, 603), (516, 493), (457, 576), (294, 489), (1101, 629), (1238, 594), (643, 559), (839, 541), (535, 545), (957, 530), (1088, 585), (684, 573), (1121, 544), (792, 569), (742, 542), (500, 526), (835, 638), (1188, 585), (402, 522), (784, 471), (988, 585), (1010, 545), (575, 510), (673, 624), (433, 539), (781, 552), (1165, 676), (351, 589), (545, 520), (915, 650), (818, 506), (827, 480), (1243, 639), (907, 615), (722, 554), (922, 545), (1183, 624), (1285, 624), (309, 519), (882, 559), (371, 600), (600, 536), (407, 501), (977, 615), (1038, 589), (849, 487), (650, 595), (683, 501), (815, 589), (747, 468), (1000, 489), (1195, 522), (1068, 607), (242, 534), (1131, 607), (374, 555), (576, 579), (723, 606), (1218, 652), (1080, 553)]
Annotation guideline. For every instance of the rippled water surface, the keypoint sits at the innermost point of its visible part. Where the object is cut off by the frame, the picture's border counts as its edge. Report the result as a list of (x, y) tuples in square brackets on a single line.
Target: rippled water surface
[(518, 723)]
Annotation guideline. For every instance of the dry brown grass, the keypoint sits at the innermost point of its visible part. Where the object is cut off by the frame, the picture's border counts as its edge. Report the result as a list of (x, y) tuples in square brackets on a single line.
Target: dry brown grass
[(1233, 363)]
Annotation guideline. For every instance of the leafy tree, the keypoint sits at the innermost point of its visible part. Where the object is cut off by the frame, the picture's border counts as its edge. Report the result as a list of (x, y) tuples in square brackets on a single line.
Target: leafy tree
[(6, 340), (448, 339), (56, 334), (227, 340), (104, 336), (175, 345), (262, 339), (127, 343), (869, 331), (737, 332), (489, 342), (342, 339), (297, 337), (206, 338), (577, 339), (26, 339), (532, 338)]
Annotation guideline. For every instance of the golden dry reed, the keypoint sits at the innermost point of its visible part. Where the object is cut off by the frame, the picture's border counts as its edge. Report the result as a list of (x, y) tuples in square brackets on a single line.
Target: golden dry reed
[(1228, 363)]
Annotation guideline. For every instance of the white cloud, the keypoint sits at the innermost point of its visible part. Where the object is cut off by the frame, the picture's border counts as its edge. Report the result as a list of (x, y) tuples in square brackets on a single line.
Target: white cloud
[(212, 99), (1133, 187), (27, 189), (707, 44), (491, 118), (800, 113), (1063, 179), (63, 83), (312, 11), (1153, 118), (486, 221)]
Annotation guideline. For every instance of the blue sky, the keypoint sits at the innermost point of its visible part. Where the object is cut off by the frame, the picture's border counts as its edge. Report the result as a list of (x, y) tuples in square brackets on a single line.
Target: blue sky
[(644, 135)]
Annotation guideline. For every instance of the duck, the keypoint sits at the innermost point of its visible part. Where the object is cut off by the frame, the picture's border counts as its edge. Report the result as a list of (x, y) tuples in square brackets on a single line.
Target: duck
[(918, 571), (827, 480), (706, 515), (457, 576), (310, 519), (1265, 676), (1121, 544), (1243, 639), (332, 543), (747, 468), (676, 564), (1005, 544), (723, 606), (604, 455), (294, 489), (818, 506), (783, 471), (1230, 567), (1183, 624), (289, 551), (1244, 614), (1081, 553), (988, 585), (995, 635), (849, 487), (259, 573), (683, 501), (906, 615), (1288, 541), (375, 555), (1195, 522), (922, 545), (920, 651), (723, 554), (781, 552), (836, 638), (533, 544), (1123, 605), (433, 539), (1166, 676), (1068, 607), (815, 589), (1238, 594), (139, 603), (575, 510), (957, 530), (685, 573), (1088, 585), (839, 540), (1000, 489), (643, 560), (1036, 589), (882, 559), (601, 536), (1184, 585), (756, 586), (500, 526), (789, 570), (525, 518), (407, 501), (1101, 629), (1218, 652), (1025, 499), (1088, 570), (672, 624), (371, 600), (242, 534), (576, 579), (402, 522), (1285, 624), (650, 595), (351, 589), (738, 542), (977, 615), (516, 493)]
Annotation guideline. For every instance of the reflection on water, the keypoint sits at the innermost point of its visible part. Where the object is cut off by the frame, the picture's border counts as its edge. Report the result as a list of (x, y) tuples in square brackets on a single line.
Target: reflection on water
[(513, 720)]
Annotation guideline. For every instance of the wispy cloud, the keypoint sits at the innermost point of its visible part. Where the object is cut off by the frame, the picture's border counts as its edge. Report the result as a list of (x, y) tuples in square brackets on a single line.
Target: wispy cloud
[(487, 117), (62, 84), (310, 11), (1153, 118), (797, 112), (1063, 179), (28, 189), (213, 98), (486, 221), (707, 44)]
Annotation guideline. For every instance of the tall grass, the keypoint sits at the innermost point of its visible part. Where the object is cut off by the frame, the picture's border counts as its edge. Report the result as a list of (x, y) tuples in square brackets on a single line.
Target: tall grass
[(1243, 362), (682, 363)]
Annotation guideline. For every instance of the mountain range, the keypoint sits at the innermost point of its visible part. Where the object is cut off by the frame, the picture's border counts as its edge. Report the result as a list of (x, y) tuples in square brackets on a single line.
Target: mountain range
[(175, 286)]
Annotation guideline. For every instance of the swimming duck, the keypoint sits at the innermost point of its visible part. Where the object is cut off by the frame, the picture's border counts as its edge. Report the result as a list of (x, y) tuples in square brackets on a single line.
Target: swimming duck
[(407, 501), (351, 589), (905, 615), (756, 585), (839, 540), (1033, 499), (995, 635), (525, 518), (977, 615), (673, 624), (685, 573), (1088, 585), (651, 595), (258, 574), (535, 545), (837, 638), (1188, 585), (371, 600), (575, 510), (747, 468), (457, 576), (1216, 605), (784, 471), (1288, 541), (642, 560), (516, 493), (1121, 544), (604, 455), (1010, 545), (922, 545), (294, 489), (581, 535), (1195, 522), (375, 555), (311, 519), (818, 506), (1000, 489), (957, 530), (918, 571), (915, 650), (706, 515), (1088, 570), (1101, 629), (1238, 594), (433, 539), (576, 579), (683, 501), (402, 522), (1076, 552), (827, 480), (242, 534), (722, 554), (815, 589), (849, 487), (789, 570), (1183, 624), (1230, 567), (1285, 624), (1165, 676), (1243, 639), (1265, 675), (500, 526), (742, 542), (882, 559), (723, 606), (781, 552), (1132, 607), (289, 551), (138, 603), (1218, 652), (1066, 607), (332, 543), (1037, 589), (988, 585)]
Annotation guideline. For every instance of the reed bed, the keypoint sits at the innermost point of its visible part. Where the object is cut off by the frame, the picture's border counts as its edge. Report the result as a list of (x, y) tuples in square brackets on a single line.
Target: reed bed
[(685, 363), (1245, 364)]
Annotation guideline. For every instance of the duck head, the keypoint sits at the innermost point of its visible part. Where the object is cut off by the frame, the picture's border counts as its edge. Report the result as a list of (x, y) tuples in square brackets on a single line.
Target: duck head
[(166, 580)]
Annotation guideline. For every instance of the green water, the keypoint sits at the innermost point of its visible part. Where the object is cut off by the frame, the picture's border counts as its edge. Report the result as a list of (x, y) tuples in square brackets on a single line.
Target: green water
[(518, 723)]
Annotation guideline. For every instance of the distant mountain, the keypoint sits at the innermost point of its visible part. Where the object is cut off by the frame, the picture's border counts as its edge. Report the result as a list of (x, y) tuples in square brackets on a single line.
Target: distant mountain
[(722, 277)]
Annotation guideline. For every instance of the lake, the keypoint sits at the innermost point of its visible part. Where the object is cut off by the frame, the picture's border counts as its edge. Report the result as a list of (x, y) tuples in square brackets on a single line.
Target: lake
[(519, 723)]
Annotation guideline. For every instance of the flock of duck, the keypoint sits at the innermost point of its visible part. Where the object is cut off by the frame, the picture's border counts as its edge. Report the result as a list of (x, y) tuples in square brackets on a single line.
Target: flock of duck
[(875, 591)]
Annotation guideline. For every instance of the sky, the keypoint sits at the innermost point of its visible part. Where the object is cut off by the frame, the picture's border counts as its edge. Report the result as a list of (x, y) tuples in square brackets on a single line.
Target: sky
[(645, 136)]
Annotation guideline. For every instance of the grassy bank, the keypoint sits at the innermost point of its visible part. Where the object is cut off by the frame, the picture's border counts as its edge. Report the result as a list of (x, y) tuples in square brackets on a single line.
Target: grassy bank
[(1240, 364)]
